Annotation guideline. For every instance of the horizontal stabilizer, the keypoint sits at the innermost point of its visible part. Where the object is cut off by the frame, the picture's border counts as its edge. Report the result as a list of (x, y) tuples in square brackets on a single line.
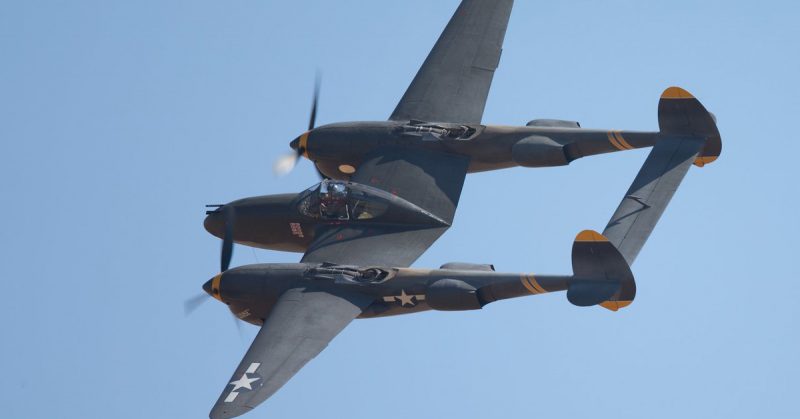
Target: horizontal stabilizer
[(650, 193), (601, 276)]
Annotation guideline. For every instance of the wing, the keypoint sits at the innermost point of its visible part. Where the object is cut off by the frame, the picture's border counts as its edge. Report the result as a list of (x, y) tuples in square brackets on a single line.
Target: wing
[(453, 82), (428, 179), (299, 327)]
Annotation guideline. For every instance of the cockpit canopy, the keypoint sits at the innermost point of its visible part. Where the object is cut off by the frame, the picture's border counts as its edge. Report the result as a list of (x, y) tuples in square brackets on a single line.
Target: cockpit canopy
[(337, 201), (352, 274), (438, 131)]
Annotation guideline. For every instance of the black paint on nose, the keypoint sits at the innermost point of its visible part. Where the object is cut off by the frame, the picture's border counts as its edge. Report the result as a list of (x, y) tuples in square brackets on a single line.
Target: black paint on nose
[(207, 287)]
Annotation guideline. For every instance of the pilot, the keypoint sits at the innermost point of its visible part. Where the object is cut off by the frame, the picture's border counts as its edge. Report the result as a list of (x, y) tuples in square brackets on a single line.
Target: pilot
[(333, 201)]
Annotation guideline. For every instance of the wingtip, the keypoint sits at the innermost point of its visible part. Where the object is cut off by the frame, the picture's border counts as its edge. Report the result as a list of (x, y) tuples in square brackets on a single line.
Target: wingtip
[(219, 412)]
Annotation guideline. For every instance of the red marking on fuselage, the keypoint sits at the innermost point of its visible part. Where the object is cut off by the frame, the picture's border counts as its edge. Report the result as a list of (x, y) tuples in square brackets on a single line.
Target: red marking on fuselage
[(297, 230)]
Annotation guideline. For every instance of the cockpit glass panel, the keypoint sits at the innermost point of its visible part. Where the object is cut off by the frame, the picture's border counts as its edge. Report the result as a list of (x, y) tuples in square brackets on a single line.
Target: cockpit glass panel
[(368, 209), (335, 200), (309, 202)]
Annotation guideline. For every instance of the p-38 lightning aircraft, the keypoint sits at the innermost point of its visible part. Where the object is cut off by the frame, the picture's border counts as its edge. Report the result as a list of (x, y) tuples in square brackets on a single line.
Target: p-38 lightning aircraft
[(391, 189)]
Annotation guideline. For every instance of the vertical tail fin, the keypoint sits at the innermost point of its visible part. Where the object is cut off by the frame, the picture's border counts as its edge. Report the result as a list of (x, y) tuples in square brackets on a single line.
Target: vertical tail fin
[(601, 276), (681, 114)]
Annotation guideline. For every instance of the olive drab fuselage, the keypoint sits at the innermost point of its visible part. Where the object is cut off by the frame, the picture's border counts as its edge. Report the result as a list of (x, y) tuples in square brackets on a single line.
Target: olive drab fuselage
[(288, 222)]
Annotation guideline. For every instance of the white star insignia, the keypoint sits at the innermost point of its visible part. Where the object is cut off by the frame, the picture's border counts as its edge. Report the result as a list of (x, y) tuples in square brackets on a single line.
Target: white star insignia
[(405, 298), (244, 382)]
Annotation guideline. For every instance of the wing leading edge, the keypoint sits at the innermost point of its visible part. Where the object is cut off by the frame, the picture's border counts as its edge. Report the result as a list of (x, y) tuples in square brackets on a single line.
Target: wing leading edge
[(453, 83), (299, 327)]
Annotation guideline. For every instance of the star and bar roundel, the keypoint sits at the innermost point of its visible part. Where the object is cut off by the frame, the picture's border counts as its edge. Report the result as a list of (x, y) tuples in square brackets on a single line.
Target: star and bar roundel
[(247, 382)]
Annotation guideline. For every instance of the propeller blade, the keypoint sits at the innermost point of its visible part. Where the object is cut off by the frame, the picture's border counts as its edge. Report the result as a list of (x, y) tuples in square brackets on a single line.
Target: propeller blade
[(227, 242), (313, 119), (285, 163), (191, 304)]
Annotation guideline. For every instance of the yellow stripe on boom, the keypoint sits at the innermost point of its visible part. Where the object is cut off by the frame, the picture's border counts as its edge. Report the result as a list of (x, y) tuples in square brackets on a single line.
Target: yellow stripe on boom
[(529, 282), (526, 284), (613, 141), (622, 142)]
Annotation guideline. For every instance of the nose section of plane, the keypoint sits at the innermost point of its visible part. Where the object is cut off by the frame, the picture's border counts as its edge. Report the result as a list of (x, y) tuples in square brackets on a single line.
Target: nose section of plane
[(215, 224), (211, 287), (300, 144)]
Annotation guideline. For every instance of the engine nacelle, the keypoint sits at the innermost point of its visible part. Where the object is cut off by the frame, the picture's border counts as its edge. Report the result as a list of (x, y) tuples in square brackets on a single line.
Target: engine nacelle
[(452, 295), (538, 151), (553, 123)]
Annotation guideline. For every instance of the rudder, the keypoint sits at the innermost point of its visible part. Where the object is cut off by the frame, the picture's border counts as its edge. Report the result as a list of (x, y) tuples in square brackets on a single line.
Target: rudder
[(601, 276), (681, 114)]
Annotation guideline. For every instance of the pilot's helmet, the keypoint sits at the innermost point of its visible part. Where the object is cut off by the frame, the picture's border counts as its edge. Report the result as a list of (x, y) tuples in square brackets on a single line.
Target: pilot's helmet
[(338, 188)]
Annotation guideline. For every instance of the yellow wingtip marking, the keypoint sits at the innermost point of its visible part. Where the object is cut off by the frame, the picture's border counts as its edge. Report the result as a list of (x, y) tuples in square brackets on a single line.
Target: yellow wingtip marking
[(704, 160), (590, 236), (615, 305), (675, 92)]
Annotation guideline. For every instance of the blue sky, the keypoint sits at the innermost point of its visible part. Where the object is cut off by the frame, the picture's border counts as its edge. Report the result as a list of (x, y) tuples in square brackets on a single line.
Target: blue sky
[(120, 120)]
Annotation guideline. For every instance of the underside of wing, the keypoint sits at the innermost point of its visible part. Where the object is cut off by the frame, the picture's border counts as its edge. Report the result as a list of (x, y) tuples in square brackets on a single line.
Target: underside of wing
[(299, 327), (429, 180), (453, 83), (370, 246)]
